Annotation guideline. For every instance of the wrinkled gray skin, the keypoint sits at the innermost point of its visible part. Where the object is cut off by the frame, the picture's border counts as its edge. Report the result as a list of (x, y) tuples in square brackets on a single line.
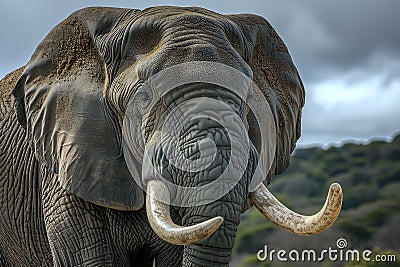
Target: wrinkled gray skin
[(66, 195)]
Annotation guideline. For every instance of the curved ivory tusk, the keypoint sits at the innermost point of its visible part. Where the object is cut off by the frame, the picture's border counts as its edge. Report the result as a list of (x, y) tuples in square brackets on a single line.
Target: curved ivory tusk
[(271, 208), (162, 224)]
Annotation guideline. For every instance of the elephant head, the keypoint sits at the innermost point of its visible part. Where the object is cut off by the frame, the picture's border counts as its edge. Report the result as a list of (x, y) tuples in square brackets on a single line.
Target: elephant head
[(110, 95)]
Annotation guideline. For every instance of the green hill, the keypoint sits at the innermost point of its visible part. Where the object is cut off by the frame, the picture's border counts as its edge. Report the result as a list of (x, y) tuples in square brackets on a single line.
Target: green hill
[(370, 217)]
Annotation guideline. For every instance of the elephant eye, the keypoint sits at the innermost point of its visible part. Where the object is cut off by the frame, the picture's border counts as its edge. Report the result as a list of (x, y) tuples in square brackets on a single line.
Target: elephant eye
[(143, 39), (143, 97)]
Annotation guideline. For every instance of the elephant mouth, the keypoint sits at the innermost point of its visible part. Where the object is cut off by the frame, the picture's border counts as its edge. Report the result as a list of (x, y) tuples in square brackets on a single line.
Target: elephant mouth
[(160, 220)]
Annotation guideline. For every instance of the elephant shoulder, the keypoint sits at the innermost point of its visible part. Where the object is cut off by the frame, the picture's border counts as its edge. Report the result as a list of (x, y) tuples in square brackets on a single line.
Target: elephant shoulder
[(6, 86)]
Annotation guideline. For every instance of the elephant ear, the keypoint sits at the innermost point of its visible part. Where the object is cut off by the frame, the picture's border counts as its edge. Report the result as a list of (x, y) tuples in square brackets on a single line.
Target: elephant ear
[(277, 77), (61, 101)]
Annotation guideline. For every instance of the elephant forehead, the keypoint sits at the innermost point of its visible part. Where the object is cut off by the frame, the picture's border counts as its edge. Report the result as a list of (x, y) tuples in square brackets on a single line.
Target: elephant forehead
[(170, 14), (158, 37), (167, 19)]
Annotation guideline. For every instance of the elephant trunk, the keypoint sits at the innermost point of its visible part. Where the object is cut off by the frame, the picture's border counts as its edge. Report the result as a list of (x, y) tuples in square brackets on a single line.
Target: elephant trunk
[(197, 164), (216, 249)]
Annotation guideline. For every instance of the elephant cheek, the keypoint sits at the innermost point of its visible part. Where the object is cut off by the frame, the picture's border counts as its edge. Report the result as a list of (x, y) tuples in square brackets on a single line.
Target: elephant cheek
[(133, 147)]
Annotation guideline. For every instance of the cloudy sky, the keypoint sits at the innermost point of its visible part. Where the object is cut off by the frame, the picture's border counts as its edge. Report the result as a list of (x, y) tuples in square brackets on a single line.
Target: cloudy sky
[(347, 53)]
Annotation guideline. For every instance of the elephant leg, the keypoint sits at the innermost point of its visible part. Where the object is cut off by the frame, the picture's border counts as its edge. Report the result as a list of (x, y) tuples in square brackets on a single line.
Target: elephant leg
[(77, 230), (142, 257), (136, 244), (165, 256), (169, 256), (2, 259)]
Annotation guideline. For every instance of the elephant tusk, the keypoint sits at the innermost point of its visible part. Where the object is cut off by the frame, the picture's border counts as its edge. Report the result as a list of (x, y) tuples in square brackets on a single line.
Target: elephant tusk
[(162, 224), (293, 222)]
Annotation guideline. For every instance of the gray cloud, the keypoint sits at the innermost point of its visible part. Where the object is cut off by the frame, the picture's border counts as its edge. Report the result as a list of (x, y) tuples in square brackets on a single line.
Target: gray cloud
[(338, 36), (338, 46)]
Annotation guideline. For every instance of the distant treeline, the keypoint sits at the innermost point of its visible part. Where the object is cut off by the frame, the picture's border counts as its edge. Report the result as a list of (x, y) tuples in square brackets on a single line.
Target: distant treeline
[(370, 178)]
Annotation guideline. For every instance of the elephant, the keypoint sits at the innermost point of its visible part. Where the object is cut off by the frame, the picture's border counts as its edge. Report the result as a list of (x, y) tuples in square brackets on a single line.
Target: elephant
[(86, 175)]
